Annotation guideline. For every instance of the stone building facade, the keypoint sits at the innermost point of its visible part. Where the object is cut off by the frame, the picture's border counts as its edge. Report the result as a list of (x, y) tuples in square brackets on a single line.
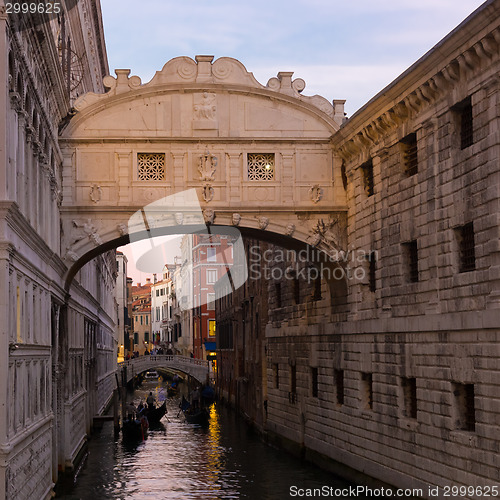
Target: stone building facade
[(57, 339), (404, 387)]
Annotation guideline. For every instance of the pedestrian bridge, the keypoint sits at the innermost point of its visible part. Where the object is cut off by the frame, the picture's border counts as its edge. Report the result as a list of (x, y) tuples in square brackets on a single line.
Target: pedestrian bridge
[(196, 368)]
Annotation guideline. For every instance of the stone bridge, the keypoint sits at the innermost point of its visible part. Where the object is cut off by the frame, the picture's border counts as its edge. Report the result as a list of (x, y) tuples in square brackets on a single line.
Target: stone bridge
[(259, 159), (196, 368)]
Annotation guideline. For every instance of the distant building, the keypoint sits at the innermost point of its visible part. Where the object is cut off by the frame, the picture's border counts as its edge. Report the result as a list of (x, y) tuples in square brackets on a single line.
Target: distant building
[(121, 294), (212, 255), (162, 293), (141, 317)]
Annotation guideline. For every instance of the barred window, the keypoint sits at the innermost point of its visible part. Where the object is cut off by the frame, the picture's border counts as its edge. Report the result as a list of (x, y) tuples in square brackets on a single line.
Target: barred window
[(465, 124), (260, 166), (409, 386), (410, 250), (465, 412), (339, 386), (409, 154), (367, 391), (151, 166), (465, 236), (367, 171)]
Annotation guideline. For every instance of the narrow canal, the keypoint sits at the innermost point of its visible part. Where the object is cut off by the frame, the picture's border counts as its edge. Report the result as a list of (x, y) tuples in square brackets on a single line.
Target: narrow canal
[(224, 460)]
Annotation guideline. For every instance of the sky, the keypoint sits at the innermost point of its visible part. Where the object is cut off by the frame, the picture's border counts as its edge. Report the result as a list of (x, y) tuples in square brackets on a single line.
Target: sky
[(342, 49)]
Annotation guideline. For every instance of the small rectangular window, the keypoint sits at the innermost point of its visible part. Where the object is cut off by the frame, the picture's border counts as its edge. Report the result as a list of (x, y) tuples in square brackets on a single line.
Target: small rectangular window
[(314, 382), (211, 254), (464, 406), (367, 391), (409, 385), (210, 301), (293, 383), (463, 111), (372, 268), (296, 290), (465, 237), (367, 172), (339, 386), (277, 289), (211, 276), (317, 289), (409, 154), (276, 375), (410, 251)]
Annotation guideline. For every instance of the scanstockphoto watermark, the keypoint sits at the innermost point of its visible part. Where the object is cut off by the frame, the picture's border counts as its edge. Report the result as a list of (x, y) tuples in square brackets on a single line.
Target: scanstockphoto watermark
[(309, 264)]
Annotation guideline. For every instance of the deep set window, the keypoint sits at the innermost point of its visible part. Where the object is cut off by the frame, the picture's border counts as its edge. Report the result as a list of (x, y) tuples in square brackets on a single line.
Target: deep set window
[(409, 154)]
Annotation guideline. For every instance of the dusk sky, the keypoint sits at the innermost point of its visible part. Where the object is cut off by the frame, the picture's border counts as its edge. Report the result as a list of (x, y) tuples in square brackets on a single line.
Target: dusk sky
[(342, 49)]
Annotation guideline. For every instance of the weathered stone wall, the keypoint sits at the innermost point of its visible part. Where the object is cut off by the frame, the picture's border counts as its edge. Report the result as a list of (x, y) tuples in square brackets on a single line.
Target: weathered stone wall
[(420, 348)]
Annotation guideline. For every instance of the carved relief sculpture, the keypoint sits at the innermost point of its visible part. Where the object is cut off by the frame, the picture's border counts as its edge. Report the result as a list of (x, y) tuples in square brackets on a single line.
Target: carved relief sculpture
[(315, 193), (207, 166), (236, 219), (95, 193), (208, 192), (263, 222), (209, 216)]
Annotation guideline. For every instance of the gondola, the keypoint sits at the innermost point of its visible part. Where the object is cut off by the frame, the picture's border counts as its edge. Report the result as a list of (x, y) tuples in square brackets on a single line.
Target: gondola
[(192, 415), (135, 430), (156, 414), (198, 416)]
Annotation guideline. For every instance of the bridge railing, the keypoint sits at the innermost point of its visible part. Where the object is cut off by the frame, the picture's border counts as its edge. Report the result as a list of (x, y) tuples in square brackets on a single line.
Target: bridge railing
[(191, 366)]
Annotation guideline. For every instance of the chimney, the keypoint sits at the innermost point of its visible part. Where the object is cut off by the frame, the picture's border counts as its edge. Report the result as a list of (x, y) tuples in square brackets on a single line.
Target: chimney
[(148, 281)]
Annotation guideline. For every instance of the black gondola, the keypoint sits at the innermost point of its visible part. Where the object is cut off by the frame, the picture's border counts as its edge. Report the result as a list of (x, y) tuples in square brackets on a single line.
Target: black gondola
[(135, 430), (155, 415), (198, 416)]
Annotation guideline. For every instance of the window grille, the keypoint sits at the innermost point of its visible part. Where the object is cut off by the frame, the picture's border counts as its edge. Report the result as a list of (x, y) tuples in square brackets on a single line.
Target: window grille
[(410, 396), (409, 152), (467, 248), (411, 255), (150, 166), (339, 385), (260, 166), (367, 171)]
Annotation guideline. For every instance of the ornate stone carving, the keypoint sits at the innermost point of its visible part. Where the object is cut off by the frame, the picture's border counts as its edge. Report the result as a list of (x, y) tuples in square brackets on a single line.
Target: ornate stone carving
[(95, 193), (290, 229), (151, 166), (330, 233), (90, 230), (122, 229), (206, 108), (207, 166), (263, 222), (209, 216), (236, 219), (315, 193), (208, 192), (179, 218), (71, 256)]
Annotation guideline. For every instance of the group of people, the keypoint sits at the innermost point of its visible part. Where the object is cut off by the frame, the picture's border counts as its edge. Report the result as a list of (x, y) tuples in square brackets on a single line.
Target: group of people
[(142, 409), (155, 351)]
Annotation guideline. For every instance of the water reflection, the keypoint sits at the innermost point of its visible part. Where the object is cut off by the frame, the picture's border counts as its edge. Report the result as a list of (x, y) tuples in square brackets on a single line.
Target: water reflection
[(184, 461)]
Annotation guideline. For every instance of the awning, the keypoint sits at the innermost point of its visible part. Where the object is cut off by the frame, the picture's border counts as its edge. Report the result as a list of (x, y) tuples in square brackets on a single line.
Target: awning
[(210, 346)]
